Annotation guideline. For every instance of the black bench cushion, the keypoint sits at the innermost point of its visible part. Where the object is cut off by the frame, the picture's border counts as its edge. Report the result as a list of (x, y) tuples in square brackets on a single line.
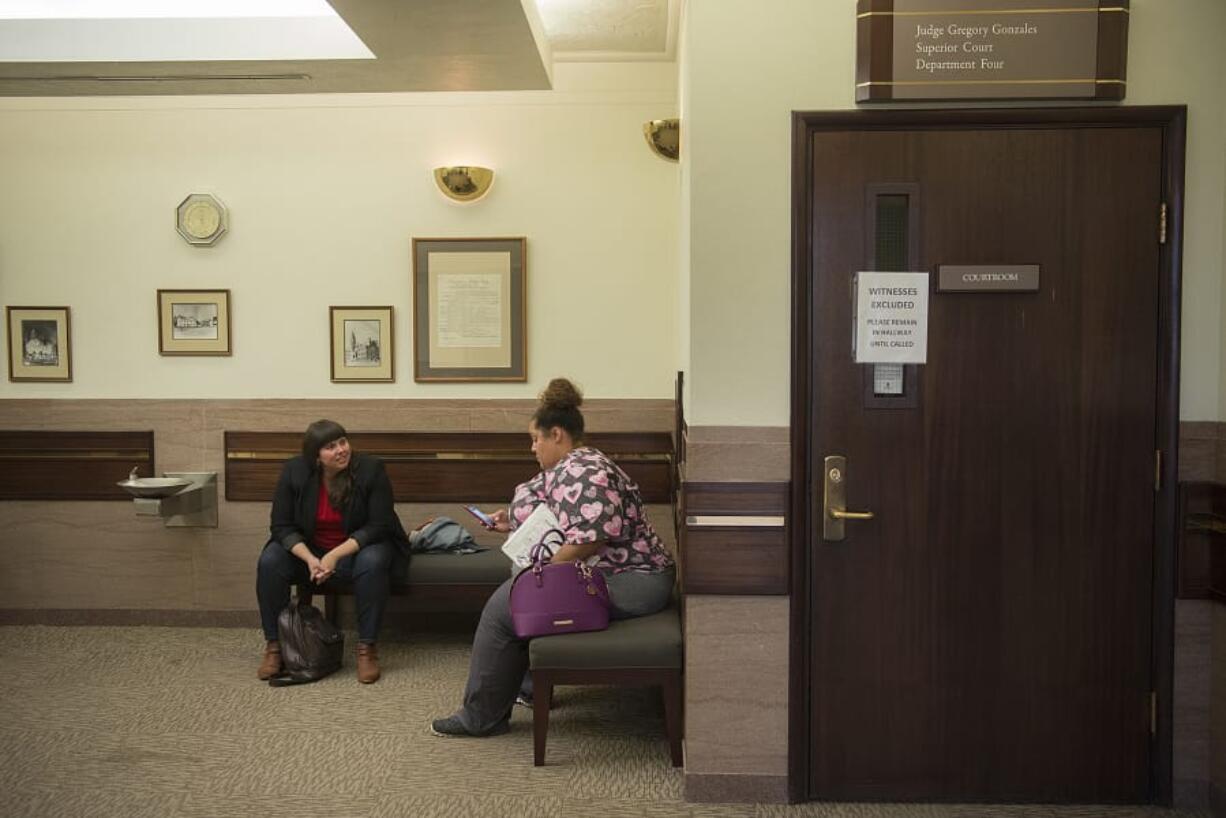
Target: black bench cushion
[(645, 642), (483, 568)]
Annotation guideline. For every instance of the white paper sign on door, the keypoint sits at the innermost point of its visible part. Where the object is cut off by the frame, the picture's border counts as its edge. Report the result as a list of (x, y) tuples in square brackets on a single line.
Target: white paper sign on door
[(891, 318)]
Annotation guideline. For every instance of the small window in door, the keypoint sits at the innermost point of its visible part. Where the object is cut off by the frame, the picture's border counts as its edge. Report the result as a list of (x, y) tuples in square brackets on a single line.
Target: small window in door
[(891, 228)]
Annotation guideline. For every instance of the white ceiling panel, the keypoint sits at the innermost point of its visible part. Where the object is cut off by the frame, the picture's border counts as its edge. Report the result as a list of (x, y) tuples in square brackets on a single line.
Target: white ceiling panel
[(150, 39), (164, 9)]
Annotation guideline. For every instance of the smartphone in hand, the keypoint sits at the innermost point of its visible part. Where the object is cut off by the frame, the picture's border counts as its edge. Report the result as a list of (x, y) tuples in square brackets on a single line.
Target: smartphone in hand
[(486, 520)]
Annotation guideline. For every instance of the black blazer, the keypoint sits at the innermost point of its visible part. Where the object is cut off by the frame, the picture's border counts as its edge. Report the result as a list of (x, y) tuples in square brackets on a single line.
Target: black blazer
[(369, 517)]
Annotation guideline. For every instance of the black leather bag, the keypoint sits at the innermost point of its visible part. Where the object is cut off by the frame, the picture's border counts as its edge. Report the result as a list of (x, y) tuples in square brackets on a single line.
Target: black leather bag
[(311, 646)]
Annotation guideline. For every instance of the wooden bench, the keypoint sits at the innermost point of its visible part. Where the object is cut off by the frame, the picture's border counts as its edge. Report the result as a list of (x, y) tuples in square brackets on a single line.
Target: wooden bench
[(445, 467), (458, 581), (427, 467), (641, 652)]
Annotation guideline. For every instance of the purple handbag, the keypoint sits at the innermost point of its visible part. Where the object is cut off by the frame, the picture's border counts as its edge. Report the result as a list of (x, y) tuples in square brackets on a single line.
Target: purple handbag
[(561, 597)]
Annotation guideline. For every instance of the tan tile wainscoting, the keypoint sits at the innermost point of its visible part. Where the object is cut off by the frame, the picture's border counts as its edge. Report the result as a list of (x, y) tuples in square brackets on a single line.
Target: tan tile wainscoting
[(735, 575), (1217, 722), (1202, 457), (96, 562)]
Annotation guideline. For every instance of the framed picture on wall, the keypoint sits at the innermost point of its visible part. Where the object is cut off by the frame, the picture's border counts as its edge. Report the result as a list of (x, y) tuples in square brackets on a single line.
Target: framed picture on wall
[(361, 344), (40, 344), (469, 310), (194, 322)]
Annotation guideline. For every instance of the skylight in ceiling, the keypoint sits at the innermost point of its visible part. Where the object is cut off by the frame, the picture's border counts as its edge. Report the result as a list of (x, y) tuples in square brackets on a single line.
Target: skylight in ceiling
[(113, 9), (174, 31)]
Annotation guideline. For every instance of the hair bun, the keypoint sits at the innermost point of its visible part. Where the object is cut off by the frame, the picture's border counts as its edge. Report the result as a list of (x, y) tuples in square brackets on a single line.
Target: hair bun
[(561, 394)]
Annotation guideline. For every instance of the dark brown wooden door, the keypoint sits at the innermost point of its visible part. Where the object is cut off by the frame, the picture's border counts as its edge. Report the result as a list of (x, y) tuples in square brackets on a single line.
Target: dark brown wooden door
[(987, 637)]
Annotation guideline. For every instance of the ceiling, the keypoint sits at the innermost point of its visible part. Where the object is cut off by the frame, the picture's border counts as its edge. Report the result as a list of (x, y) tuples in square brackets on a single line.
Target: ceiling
[(610, 30), (419, 45)]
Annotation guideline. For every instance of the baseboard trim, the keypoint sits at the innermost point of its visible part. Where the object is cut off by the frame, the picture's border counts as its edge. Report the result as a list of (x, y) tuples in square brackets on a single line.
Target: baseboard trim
[(129, 616), (761, 789), (394, 621)]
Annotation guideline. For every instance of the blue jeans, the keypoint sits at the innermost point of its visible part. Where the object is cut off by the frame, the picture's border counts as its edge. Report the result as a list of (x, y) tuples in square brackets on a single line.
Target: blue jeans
[(369, 571)]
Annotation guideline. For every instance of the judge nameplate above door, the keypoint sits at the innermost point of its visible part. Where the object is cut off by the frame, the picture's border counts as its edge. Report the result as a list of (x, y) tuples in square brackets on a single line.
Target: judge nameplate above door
[(991, 49)]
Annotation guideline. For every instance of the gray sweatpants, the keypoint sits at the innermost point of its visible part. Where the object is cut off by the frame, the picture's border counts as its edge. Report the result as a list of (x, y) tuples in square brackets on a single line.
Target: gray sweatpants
[(500, 658)]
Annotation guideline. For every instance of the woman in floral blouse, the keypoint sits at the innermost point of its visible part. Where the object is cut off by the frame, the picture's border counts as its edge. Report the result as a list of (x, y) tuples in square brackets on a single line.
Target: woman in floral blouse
[(601, 512)]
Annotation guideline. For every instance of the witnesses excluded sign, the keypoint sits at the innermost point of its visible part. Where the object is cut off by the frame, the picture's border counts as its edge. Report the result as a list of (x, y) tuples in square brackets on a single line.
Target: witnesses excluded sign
[(891, 318)]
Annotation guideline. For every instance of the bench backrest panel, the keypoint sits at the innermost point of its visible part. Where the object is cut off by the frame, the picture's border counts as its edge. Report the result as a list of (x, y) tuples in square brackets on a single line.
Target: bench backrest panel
[(446, 467)]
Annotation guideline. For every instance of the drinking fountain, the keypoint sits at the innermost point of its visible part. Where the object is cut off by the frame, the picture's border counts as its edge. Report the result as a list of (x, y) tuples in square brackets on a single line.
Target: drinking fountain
[(181, 499)]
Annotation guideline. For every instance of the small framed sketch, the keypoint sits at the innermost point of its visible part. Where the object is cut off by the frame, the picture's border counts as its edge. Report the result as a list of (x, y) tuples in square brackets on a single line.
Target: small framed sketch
[(194, 322), (40, 346), (469, 310), (361, 344)]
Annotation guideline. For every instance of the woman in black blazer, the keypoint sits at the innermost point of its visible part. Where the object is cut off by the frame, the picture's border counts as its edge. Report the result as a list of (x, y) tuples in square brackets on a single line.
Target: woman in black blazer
[(332, 515)]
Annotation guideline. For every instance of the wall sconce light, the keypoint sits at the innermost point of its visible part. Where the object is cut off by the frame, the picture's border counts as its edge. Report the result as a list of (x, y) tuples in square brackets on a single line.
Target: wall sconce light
[(464, 183), (664, 138)]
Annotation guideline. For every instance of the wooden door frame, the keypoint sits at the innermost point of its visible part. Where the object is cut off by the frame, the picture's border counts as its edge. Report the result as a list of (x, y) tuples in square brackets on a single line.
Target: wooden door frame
[(1172, 120)]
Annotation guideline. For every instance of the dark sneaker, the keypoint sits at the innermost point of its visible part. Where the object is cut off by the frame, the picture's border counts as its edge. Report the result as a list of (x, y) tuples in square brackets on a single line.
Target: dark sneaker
[(524, 701), (451, 727)]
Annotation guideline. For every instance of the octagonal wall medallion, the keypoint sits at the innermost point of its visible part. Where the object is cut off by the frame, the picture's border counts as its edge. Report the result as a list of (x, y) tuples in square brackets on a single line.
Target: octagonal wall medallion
[(201, 219)]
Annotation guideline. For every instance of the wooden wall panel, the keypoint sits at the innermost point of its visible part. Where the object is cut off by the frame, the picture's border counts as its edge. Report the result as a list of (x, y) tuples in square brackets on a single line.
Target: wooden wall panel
[(62, 465), (749, 499), (735, 560), (1201, 541), (735, 538)]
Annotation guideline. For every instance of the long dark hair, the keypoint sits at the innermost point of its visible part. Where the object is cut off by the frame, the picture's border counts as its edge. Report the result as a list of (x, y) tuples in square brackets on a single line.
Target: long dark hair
[(560, 404), (320, 434)]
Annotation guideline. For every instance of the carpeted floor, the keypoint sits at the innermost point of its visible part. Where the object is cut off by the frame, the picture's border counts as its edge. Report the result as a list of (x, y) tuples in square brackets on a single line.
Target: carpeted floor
[(166, 722)]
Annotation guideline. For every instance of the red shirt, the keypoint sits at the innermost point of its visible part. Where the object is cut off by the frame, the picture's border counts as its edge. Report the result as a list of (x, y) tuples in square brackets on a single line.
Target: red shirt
[(329, 525)]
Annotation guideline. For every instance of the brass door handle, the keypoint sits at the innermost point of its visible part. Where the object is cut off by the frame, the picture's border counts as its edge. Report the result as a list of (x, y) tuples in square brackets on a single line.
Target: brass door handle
[(850, 515), (834, 500)]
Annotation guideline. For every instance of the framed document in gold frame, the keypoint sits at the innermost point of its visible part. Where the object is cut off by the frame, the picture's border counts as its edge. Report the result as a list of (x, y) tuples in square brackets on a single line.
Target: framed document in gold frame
[(362, 344), (469, 310), (40, 344), (194, 322)]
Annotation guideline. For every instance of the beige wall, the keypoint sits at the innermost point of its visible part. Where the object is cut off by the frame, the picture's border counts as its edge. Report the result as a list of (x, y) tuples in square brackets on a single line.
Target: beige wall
[(1222, 326), (750, 63), (325, 195), (683, 225), (1175, 55)]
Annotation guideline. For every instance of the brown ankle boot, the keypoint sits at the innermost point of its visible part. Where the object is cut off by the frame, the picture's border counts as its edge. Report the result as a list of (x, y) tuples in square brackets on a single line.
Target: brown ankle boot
[(271, 665), (368, 663)]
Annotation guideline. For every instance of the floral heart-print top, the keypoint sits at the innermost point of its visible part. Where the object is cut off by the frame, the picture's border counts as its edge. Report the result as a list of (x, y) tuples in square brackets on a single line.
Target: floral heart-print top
[(594, 499)]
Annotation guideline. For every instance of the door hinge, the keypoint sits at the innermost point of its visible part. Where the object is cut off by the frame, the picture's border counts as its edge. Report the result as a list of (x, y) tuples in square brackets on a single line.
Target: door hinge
[(1157, 470), (1162, 224), (1153, 712)]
